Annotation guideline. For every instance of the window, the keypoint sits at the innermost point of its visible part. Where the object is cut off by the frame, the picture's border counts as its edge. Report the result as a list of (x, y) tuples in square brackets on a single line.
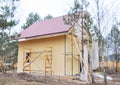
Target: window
[(27, 57)]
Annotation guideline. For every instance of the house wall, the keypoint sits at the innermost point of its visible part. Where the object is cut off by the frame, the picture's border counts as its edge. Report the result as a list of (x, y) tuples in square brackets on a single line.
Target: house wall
[(72, 58), (57, 44), (40, 45)]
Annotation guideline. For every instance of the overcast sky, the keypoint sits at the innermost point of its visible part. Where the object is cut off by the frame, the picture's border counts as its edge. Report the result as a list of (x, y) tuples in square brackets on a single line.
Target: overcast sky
[(42, 7), (60, 7)]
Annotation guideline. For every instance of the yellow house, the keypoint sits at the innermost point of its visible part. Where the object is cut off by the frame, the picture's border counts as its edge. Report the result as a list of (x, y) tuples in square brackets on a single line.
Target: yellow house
[(47, 47)]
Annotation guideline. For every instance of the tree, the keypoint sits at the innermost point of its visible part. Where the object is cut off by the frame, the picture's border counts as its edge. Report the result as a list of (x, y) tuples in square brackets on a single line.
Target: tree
[(7, 15), (76, 13), (99, 26), (102, 21), (113, 41), (84, 24), (48, 17), (32, 18), (7, 21)]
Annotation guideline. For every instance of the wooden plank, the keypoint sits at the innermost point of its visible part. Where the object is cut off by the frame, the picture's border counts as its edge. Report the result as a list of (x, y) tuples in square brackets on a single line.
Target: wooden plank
[(48, 63), (65, 54), (76, 59), (81, 57)]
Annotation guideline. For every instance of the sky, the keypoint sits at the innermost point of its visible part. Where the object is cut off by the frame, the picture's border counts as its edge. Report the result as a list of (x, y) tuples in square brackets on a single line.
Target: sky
[(43, 8), (61, 7)]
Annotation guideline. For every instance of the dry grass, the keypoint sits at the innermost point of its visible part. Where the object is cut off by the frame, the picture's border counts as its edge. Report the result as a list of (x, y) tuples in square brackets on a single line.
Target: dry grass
[(26, 79)]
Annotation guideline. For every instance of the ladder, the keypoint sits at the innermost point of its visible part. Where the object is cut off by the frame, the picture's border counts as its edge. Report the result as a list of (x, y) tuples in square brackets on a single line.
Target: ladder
[(48, 63)]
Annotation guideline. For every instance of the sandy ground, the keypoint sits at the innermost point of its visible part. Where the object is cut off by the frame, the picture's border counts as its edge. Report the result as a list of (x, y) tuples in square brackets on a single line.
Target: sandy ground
[(27, 79)]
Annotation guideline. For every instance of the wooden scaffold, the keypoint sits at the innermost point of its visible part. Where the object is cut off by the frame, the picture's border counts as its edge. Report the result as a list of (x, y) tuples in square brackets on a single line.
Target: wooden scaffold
[(27, 61)]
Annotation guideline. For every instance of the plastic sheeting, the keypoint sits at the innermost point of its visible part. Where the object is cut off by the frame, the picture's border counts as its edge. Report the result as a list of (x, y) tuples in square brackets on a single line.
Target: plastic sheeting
[(84, 72), (94, 57), (94, 54), (100, 75)]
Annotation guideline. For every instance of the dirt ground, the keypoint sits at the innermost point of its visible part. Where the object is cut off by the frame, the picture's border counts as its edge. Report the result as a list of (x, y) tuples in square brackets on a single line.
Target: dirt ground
[(27, 79)]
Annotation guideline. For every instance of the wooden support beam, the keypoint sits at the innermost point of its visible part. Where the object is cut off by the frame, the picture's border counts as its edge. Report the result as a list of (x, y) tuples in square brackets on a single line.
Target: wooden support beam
[(73, 34), (65, 55), (27, 50), (48, 60), (48, 63), (31, 61), (72, 53), (76, 59), (76, 44)]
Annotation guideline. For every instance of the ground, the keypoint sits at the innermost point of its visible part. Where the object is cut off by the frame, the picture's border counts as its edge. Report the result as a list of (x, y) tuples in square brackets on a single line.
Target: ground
[(27, 79)]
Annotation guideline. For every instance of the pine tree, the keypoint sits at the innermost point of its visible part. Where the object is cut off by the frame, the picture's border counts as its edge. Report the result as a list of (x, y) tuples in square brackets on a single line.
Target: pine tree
[(114, 43), (7, 22), (32, 18)]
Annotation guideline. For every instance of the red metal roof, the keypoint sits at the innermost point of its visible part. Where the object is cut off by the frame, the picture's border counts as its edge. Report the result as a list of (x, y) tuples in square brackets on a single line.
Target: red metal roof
[(47, 27)]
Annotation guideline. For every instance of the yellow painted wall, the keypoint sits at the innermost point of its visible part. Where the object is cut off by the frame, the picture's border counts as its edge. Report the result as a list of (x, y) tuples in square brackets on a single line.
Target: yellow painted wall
[(57, 44), (69, 57)]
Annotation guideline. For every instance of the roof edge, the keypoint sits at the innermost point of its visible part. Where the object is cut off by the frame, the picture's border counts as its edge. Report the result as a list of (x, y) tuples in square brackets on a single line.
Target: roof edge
[(43, 36)]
